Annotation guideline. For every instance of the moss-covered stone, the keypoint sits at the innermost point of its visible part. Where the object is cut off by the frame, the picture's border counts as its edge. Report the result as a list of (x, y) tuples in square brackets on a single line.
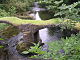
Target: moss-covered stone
[(23, 46), (10, 31), (16, 21)]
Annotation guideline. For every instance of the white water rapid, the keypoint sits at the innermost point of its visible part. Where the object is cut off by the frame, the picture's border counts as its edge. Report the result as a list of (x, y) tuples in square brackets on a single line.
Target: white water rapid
[(37, 17)]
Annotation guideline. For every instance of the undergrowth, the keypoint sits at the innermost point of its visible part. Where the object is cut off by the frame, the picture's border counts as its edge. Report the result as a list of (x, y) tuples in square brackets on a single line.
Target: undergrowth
[(64, 49)]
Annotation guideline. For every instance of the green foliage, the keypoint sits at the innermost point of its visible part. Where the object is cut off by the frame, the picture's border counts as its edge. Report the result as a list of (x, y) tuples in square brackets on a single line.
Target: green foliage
[(16, 6), (1, 39), (3, 26), (70, 11), (20, 5), (3, 13), (68, 24), (1, 46), (70, 8), (63, 8), (34, 49), (12, 10), (65, 49)]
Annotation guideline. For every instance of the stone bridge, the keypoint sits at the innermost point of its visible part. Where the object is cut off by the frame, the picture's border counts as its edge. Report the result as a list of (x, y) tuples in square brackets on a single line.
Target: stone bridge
[(30, 29)]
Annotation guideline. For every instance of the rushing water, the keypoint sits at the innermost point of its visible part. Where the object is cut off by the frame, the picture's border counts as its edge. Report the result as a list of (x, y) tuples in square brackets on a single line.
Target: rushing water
[(46, 34), (37, 17)]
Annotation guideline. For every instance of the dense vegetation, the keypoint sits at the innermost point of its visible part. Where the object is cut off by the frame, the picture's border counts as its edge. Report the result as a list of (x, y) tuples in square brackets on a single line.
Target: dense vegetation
[(58, 8), (63, 8), (65, 11), (64, 49), (11, 7)]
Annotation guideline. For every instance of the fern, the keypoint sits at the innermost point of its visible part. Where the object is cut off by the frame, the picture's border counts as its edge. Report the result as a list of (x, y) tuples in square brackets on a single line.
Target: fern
[(34, 49), (65, 49)]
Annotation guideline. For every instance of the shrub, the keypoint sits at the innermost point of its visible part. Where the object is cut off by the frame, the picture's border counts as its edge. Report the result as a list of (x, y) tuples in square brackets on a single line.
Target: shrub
[(3, 13), (3, 26), (12, 10), (20, 5), (36, 49), (69, 9), (64, 49)]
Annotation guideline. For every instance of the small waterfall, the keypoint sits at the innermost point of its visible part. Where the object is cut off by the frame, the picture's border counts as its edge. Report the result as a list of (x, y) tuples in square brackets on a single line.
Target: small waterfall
[(37, 17), (44, 33)]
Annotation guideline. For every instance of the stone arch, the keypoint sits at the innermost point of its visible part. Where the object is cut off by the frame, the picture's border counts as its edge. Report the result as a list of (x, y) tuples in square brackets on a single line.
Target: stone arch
[(30, 31)]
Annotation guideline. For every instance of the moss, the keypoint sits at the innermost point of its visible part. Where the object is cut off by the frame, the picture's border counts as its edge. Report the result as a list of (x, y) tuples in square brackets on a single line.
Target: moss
[(77, 26), (25, 17), (17, 21), (10, 32), (22, 46)]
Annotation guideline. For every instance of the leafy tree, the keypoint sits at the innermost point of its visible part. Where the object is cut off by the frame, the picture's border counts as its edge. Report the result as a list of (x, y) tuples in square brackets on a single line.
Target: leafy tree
[(21, 5), (14, 6), (63, 8)]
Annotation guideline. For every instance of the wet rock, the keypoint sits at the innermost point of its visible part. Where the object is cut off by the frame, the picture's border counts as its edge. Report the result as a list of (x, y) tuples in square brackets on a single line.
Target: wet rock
[(3, 51), (23, 46)]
